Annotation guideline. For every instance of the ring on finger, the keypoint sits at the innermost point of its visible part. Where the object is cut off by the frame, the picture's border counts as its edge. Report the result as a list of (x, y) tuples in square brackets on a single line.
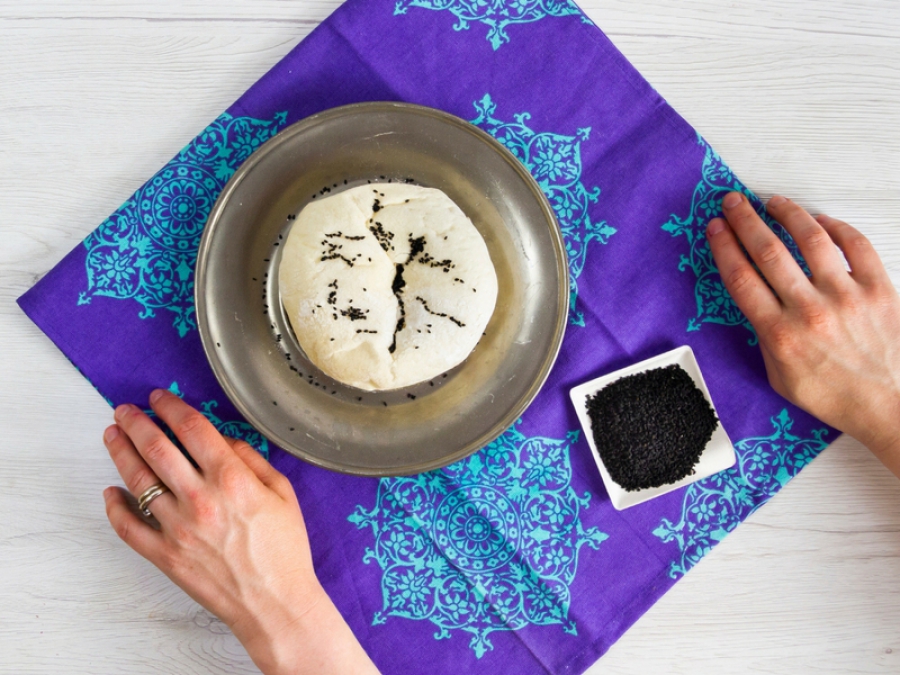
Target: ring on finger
[(149, 495)]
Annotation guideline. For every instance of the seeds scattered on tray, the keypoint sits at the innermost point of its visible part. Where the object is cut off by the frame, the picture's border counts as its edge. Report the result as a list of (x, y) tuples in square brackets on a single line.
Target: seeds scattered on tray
[(650, 428)]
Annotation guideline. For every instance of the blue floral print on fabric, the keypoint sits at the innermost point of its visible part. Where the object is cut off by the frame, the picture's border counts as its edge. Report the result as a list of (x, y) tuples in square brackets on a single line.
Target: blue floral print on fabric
[(555, 162), (490, 543), (146, 250), (714, 303), (714, 506), (496, 14)]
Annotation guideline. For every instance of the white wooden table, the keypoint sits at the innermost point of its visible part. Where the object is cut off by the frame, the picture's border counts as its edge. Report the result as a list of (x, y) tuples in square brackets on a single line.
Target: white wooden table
[(799, 96)]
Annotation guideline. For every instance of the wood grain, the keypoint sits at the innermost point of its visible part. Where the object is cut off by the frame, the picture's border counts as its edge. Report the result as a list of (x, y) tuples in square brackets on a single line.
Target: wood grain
[(798, 96)]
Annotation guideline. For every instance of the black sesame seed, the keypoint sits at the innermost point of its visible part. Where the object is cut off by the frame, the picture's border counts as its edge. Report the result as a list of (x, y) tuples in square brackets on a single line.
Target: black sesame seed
[(292, 428), (359, 398), (411, 397), (651, 428), (274, 402), (384, 403)]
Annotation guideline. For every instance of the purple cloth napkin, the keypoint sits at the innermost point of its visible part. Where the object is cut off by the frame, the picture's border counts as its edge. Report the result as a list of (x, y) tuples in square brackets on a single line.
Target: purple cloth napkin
[(512, 560)]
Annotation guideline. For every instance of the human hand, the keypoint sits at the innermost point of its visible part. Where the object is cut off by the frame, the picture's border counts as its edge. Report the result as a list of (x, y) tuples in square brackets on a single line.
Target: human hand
[(231, 535), (831, 343)]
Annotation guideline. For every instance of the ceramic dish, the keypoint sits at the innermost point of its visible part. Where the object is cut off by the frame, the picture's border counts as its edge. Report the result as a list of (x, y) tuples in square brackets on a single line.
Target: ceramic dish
[(252, 349), (717, 456)]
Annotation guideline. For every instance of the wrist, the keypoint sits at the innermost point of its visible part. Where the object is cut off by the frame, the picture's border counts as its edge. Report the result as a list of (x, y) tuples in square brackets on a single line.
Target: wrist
[(314, 640), (879, 430), (271, 634)]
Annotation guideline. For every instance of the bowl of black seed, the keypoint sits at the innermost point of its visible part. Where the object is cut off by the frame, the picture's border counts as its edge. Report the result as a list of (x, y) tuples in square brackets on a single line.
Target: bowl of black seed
[(652, 427)]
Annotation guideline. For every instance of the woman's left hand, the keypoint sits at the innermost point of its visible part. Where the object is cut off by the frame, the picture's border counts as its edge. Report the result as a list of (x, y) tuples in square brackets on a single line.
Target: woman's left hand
[(231, 535)]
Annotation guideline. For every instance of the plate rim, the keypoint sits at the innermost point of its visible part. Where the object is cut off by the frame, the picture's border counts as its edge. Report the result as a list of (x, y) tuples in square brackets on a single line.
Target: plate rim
[(258, 156)]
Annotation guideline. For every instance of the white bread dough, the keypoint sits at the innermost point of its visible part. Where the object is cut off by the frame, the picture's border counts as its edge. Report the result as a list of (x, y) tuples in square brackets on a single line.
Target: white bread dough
[(386, 285)]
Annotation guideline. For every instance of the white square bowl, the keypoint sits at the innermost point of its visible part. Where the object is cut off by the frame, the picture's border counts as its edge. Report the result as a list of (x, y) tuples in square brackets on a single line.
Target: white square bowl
[(718, 454)]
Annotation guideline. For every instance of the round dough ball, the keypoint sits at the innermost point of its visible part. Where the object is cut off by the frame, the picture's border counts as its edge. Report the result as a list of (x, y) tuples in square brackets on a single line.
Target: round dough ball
[(386, 285)]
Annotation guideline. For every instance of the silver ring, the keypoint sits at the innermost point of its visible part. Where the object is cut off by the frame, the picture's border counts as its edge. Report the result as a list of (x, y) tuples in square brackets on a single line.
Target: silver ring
[(149, 495)]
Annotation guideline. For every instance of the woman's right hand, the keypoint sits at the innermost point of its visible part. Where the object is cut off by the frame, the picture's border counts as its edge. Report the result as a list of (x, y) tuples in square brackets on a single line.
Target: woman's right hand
[(830, 342)]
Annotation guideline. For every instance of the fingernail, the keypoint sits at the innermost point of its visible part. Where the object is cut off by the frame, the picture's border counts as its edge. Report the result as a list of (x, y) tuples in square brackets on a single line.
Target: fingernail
[(732, 199), (110, 433), (777, 200), (123, 410), (715, 226), (157, 394), (107, 493)]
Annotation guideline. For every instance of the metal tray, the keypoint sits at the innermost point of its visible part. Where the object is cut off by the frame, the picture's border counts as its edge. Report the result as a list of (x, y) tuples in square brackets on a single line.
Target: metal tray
[(249, 342)]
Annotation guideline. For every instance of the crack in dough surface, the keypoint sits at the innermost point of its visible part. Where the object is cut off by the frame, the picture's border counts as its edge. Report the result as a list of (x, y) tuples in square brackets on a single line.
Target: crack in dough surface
[(386, 285)]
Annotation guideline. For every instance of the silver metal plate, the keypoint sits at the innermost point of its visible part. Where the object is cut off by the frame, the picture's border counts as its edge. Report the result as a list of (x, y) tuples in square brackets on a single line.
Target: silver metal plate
[(249, 342)]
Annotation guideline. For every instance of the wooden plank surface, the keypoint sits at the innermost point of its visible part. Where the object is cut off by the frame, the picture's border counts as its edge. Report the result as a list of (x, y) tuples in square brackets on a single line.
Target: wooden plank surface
[(798, 96)]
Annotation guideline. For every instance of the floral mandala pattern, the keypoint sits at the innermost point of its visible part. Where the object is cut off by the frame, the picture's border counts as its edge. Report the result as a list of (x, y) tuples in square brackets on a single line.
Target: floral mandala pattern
[(495, 14), (240, 430), (490, 543), (714, 303), (555, 162), (714, 506), (146, 250)]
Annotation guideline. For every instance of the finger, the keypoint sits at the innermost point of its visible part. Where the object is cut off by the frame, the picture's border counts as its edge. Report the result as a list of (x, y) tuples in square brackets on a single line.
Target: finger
[(768, 252), (746, 287), (267, 474), (865, 264), (161, 455), (815, 245), (140, 536), (248, 454), (137, 475), (201, 439)]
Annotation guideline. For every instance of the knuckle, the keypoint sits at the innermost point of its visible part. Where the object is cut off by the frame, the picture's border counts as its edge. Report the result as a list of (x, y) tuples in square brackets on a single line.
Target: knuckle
[(815, 238), (182, 533), (190, 424), (169, 561), (284, 485), (781, 339), (245, 446), (816, 318), (233, 481), (142, 479), (739, 278), (123, 529), (206, 513), (157, 449), (770, 252), (856, 241)]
